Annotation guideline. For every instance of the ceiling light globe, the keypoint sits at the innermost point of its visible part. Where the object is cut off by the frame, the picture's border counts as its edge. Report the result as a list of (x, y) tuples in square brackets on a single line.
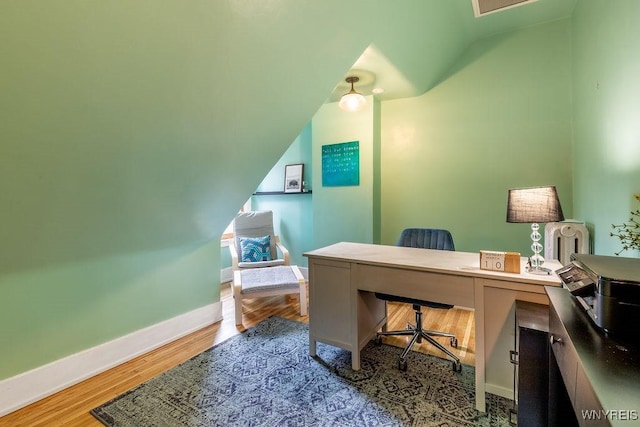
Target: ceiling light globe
[(352, 101)]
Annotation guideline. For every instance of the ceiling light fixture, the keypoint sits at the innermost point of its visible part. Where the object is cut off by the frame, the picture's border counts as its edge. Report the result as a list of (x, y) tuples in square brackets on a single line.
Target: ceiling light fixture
[(352, 100)]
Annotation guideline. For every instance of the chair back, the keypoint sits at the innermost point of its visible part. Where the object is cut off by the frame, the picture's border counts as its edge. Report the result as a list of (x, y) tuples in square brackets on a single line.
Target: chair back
[(255, 224), (426, 238)]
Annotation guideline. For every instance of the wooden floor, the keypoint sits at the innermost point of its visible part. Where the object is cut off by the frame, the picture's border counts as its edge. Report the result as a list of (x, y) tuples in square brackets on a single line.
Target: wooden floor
[(71, 407)]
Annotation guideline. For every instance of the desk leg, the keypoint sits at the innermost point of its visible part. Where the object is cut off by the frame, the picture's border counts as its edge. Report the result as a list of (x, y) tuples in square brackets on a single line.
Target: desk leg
[(354, 324), (312, 346), (480, 353), (355, 360), (355, 344)]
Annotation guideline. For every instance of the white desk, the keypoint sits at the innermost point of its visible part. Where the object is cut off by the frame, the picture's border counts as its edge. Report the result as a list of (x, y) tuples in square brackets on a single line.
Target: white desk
[(344, 312)]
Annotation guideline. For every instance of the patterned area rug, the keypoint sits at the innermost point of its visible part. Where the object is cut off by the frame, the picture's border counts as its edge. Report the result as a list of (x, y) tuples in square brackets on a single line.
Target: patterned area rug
[(265, 377)]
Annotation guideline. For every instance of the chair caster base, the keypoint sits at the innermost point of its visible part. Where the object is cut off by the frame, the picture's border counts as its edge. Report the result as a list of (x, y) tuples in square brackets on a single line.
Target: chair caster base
[(377, 340), (454, 342), (402, 365), (456, 367)]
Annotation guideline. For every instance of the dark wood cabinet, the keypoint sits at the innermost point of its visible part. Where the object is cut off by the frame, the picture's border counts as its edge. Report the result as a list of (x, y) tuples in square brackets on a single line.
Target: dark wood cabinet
[(594, 379), (560, 406), (571, 373), (532, 341)]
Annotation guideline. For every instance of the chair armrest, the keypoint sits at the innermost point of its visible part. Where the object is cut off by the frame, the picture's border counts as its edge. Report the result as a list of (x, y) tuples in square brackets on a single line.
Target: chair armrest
[(236, 284), (285, 251)]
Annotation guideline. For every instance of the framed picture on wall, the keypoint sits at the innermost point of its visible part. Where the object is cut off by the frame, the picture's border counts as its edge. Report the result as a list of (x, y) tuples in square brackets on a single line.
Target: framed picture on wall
[(293, 175), (341, 164)]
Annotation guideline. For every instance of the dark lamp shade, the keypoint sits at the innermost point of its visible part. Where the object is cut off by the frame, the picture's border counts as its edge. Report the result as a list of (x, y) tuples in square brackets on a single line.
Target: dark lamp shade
[(535, 204)]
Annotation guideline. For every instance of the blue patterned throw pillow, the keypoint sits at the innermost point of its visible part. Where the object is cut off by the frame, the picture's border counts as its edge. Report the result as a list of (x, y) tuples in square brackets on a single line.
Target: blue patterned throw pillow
[(255, 249)]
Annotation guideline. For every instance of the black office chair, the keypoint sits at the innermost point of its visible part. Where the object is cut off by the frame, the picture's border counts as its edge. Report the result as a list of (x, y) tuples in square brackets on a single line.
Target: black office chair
[(425, 238)]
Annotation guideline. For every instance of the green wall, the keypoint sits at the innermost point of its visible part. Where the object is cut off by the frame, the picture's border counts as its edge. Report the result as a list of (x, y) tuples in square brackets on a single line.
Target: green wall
[(131, 132), (83, 302), (500, 119), (606, 99), (292, 213), (344, 213)]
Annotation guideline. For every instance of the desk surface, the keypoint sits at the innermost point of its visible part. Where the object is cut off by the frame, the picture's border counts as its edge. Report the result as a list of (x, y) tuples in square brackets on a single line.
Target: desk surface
[(446, 262), (345, 313)]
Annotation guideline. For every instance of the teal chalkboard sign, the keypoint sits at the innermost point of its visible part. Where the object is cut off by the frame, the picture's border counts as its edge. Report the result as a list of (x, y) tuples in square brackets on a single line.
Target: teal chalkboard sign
[(341, 164)]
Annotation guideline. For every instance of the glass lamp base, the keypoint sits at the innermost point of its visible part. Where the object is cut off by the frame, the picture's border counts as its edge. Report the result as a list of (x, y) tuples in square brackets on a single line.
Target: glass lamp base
[(535, 262), (539, 270)]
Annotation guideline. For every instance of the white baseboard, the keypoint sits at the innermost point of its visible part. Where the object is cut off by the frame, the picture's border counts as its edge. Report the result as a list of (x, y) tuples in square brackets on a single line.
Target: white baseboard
[(499, 390), (31, 386), (226, 275)]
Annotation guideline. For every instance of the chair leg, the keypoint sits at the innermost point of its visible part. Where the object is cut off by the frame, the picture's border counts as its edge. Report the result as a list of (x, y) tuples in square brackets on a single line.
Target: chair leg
[(440, 346), (428, 335), (407, 349), (397, 333), (302, 286), (417, 334), (439, 334), (237, 296), (238, 303)]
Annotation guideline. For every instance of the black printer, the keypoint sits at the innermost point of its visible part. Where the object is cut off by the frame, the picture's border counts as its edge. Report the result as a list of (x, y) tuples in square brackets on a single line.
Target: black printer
[(608, 288)]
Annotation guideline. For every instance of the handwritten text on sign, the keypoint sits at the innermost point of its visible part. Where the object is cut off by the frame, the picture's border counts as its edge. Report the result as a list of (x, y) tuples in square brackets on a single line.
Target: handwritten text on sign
[(341, 164)]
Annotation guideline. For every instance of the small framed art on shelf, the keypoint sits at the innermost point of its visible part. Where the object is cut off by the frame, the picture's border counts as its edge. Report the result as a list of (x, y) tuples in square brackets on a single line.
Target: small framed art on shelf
[(293, 176)]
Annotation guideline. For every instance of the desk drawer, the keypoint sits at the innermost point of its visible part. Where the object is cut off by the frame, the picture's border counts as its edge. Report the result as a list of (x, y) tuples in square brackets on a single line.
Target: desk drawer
[(330, 302), (444, 288), (564, 352)]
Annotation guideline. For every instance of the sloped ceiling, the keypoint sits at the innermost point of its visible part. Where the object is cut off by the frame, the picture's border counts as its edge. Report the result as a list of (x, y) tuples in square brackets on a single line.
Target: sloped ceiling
[(141, 125), (414, 79), (514, 18)]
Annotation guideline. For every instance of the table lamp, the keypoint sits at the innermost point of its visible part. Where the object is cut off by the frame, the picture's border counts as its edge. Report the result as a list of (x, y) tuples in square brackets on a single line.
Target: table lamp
[(534, 205)]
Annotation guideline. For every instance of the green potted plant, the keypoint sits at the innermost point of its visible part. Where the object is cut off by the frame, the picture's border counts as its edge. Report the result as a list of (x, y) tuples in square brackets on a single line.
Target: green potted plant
[(629, 233)]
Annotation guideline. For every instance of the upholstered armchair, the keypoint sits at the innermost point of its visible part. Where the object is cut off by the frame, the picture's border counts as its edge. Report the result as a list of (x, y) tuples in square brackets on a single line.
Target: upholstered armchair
[(261, 263), (254, 243)]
